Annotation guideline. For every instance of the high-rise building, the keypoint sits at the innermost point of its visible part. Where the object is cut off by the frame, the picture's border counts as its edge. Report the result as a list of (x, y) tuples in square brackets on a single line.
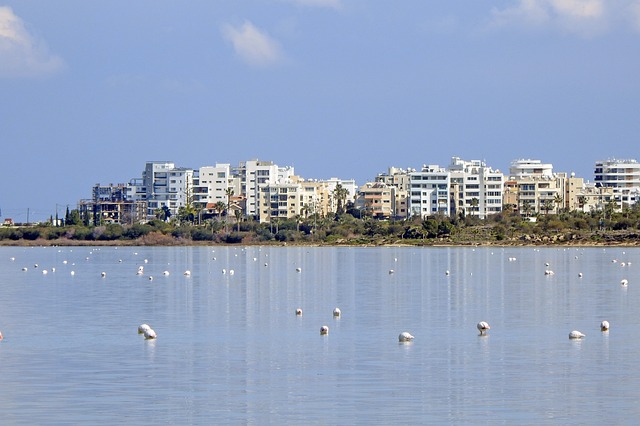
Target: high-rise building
[(430, 188), (476, 189), (621, 175)]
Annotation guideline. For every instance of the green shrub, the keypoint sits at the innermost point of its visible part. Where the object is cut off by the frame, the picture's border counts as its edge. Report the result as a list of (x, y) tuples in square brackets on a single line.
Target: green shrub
[(200, 234)]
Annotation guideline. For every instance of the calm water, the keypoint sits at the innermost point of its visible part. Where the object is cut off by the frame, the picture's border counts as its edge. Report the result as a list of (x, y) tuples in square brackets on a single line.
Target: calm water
[(230, 349)]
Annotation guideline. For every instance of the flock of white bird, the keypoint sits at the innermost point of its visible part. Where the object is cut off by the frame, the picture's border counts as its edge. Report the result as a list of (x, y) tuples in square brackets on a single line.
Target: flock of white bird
[(147, 331), (404, 337)]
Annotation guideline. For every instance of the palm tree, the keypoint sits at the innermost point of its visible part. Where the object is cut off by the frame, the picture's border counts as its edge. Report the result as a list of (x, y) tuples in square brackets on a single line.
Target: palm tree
[(527, 209), (474, 204), (609, 208), (187, 214), (219, 207), (238, 215), (306, 209), (547, 205), (340, 194), (558, 200), (582, 201), (229, 193)]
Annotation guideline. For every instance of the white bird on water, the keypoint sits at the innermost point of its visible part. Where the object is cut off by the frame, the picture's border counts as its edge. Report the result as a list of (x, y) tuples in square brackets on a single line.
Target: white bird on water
[(143, 327), (405, 337), (150, 334), (604, 326), (324, 330), (187, 273), (575, 334), (483, 327), (299, 312), (624, 282), (337, 312)]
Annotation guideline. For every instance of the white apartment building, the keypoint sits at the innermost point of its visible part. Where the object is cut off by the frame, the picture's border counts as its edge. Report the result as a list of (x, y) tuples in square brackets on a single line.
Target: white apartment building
[(152, 186), (162, 184), (348, 184), (253, 174), (521, 168), (180, 188), (213, 185), (430, 188), (476, 189), (621, 175)]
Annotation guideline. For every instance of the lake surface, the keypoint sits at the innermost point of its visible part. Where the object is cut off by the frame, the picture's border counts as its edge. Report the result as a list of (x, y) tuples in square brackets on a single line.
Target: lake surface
[(231, 350)]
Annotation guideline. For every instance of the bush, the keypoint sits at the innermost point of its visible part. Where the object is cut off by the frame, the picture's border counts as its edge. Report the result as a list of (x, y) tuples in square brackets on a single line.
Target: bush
[(157, 238), (55, 233), (112, 232), (81, 233), (233, 238), (136, 231), (286, 235), (31, 234), (182, 232), (12, 234), (199, 234)]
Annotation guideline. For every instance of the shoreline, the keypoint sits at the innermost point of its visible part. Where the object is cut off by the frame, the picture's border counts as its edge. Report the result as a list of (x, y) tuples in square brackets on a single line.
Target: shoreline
[(345, 243)]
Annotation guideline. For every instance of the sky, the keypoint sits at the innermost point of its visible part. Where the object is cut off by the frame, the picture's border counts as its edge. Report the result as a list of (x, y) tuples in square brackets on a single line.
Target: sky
[(91, 90)]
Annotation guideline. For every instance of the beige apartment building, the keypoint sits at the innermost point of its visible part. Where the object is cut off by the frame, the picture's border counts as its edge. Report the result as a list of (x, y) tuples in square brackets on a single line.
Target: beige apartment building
[(376, 199), (400, 180)]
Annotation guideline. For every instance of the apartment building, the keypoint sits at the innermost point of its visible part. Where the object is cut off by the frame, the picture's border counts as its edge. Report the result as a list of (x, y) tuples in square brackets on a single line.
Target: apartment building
[(214, 184), (534, 188), (377, 199), (109, 204), (162, 184), (316, 197), (399, 179), (476, 189), (255, 173), (621, 175), (430, 188), (523, 168), (349, 185), (280, 201)]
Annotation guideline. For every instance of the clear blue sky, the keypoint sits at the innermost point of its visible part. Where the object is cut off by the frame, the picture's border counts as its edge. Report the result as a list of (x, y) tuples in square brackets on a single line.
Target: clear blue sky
[(91, 90)]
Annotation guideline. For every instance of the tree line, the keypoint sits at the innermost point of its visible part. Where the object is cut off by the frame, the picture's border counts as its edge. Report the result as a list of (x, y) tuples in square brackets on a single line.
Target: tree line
[(348, 226)]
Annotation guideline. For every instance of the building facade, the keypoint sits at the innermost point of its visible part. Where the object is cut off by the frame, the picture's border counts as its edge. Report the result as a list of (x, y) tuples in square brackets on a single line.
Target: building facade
[(430, 189), (476, 189), (621, 175), (162, 185)]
